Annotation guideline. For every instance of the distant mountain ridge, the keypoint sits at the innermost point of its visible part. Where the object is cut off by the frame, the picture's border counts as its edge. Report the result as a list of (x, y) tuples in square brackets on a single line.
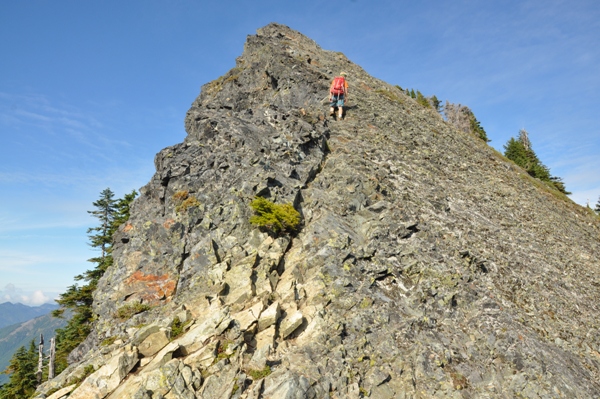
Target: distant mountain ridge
[(14, 336), (13, 313)]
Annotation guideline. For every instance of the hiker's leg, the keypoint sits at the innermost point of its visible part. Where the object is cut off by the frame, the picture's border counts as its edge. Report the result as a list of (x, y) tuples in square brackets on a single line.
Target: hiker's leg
[(332, 104), (340, 105)]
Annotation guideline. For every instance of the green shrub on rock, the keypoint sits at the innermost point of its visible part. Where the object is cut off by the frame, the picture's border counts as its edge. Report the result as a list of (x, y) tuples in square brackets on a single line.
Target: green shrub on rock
[(259, 374), (126, 312), (178, 327), (274, 217), (184, 201)]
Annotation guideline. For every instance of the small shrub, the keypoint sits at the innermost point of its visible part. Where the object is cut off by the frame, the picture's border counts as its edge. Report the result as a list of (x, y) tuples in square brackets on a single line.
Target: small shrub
[(180, 196), (89, 369), (177, 327), (184, 201), (188, 203), (109, 341), (259, 374), (274, 217), (421, 100), (222, 351), (126, 312)]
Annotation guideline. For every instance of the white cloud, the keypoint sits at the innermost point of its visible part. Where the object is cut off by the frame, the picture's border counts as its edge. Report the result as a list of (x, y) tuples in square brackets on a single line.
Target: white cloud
[(17, 295), (36, 298)]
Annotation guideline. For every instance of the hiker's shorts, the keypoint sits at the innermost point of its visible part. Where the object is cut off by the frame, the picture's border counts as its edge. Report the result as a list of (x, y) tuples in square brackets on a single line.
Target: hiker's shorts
[(337, 100)]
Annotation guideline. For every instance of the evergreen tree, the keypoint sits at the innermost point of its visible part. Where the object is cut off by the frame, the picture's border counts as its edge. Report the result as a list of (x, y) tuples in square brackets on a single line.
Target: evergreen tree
[(597, 209), (520, 152), (464, 119), (111, 213), (477, 129), (22, 369), (516, 152), (412, 93), (101, 237), (435, 103), (558, 183), (422, 100), (122, 207)]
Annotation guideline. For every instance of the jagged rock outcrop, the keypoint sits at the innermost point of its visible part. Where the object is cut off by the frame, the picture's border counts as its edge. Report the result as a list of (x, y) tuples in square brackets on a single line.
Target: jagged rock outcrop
[(427, 265)]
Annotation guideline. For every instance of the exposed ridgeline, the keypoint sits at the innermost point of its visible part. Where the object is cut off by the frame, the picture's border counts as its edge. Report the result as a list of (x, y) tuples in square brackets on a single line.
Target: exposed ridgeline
[(427, 265)]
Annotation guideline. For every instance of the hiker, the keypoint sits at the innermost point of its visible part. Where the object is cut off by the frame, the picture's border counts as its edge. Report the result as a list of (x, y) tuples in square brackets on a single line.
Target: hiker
[(338, 92)]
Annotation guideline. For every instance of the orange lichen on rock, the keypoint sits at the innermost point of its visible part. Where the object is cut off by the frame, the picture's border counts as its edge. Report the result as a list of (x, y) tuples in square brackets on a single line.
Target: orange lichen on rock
[(151, 287), (168, 223)]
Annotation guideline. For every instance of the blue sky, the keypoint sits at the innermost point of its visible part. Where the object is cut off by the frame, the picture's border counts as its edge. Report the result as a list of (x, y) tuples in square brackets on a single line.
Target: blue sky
[(91, 91)]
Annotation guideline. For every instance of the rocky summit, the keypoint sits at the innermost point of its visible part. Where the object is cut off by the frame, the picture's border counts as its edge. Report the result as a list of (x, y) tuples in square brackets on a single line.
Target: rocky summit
[(426, 264)]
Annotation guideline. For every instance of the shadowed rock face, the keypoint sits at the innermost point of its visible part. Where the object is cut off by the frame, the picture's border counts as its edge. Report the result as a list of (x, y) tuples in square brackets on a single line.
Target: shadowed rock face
[(427, 265)]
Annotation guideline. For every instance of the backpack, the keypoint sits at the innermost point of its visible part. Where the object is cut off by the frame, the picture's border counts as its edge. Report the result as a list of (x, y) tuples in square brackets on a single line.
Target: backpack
[(339, 85)]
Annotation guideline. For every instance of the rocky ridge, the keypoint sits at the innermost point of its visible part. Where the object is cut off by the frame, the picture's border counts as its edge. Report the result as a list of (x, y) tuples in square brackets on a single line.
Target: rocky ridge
[(427, 265)]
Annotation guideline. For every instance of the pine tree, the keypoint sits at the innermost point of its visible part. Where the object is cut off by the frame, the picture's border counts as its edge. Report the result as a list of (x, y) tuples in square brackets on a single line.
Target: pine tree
[(558, 183), (111, 213), (464, 119), (516, 152), (477, 129), (422, 100), (521, 152), (101, 237), (524, 139), (597, 209), (435, 103), (122, 207), (22, 368)]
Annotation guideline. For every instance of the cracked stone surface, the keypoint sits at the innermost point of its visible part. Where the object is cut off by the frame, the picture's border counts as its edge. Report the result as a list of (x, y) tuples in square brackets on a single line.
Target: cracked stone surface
[(426, 266)]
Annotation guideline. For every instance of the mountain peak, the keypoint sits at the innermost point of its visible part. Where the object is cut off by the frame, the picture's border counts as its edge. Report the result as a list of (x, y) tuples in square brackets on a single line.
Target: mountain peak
[(425, 264)]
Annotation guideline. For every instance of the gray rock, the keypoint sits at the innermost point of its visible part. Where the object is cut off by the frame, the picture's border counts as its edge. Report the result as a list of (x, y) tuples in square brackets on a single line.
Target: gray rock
[(286, 385), (153, 343), (106, 379), (219, 385), (269, 316), (426, 264), (290, 324)]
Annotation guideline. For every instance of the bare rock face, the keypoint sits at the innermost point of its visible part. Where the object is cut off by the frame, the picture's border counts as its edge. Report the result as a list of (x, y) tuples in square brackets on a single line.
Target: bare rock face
[(427, 265)]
